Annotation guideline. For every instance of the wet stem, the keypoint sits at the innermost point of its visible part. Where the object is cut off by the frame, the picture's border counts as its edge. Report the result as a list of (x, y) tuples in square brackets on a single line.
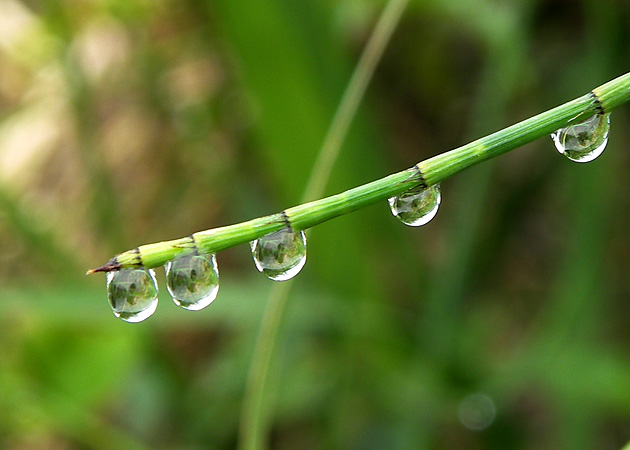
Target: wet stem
[(255, 413)]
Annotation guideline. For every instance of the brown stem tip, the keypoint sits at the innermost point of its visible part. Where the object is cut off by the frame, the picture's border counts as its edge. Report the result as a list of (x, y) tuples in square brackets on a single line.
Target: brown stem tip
[(112, 264)]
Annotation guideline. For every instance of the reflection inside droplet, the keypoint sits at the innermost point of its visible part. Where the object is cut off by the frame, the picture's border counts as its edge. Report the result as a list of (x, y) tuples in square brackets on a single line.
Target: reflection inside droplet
[(583, 141), (193, 281), (132, 293), (416, 206), (280, 255)]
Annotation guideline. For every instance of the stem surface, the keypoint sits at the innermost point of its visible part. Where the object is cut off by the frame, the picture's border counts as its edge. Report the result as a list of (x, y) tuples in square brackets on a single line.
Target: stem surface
[(431, 171)]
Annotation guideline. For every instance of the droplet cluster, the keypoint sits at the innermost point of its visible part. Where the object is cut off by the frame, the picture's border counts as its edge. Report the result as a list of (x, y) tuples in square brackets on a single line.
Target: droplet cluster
[(193, 280)]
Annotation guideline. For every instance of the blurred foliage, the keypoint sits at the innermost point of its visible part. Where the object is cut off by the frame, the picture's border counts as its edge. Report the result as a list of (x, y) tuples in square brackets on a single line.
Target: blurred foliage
[(502, 324)]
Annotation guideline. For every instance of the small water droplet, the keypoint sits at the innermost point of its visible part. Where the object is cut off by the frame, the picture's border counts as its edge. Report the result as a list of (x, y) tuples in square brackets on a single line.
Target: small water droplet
[(417, 206), (132, 293), (584, 141), (280, 255), (476, 412), (193, 281)]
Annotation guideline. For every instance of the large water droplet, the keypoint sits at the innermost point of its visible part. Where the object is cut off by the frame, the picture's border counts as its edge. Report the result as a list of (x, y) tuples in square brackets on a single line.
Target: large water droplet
[(280, 255), (132, 293), (417, 206), (193, 281), (584, 141)]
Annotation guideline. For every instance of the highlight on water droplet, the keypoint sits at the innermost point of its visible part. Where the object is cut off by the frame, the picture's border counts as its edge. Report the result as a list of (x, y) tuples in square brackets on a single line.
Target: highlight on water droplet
[(417, 206), (584, 141), (132, 293), (280, 255), (193, 281)]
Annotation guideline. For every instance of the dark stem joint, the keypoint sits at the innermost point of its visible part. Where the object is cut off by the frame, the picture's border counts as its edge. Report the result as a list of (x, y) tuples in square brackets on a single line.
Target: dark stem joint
[(420, 176), (138, 257), (285, 219), (194, 245), (598, 103)]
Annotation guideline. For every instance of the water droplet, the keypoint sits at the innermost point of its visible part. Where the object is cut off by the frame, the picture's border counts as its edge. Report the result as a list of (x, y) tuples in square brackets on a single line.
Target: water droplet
[(193, 281), (132, 293), (417, 206), (280, 255), (584, 141), (476, 412)]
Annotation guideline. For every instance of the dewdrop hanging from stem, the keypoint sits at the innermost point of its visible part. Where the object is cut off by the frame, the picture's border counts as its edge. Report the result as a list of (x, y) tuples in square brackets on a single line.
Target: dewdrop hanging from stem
[(584, 141), (280, 255), (193, 280)]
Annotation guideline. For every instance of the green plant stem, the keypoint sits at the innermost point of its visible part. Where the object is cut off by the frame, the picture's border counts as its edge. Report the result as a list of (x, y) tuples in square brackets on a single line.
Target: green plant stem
[(254, 417), (431, 171)]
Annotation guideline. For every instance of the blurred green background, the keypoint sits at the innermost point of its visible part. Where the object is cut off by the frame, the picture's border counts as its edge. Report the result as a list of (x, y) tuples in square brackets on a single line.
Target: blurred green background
[(501, 324)]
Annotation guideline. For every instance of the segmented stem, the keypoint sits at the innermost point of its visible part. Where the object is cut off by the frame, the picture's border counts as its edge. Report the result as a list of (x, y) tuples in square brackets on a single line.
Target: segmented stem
[(431, 171)]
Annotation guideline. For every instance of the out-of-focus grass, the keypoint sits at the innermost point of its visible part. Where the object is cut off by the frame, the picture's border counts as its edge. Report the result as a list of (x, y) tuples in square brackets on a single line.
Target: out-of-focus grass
[(129, 122)]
